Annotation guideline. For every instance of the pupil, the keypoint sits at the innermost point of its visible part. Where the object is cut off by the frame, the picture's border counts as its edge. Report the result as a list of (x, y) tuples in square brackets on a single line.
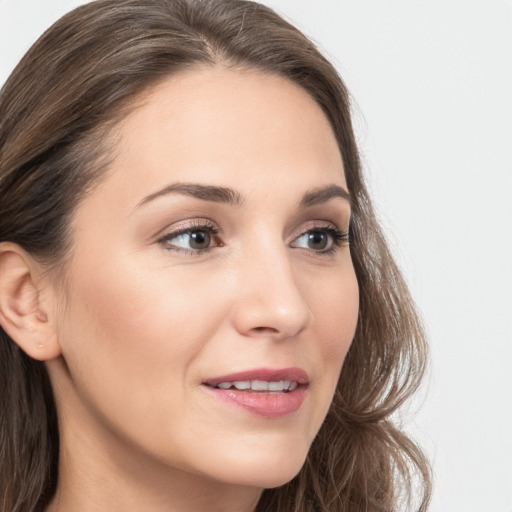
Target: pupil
[(199, 240), (318, 240)]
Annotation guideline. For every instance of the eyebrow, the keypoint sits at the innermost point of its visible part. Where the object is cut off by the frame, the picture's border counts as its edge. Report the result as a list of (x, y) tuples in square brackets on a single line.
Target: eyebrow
[(231, 197), (323, 194), (210, 193)]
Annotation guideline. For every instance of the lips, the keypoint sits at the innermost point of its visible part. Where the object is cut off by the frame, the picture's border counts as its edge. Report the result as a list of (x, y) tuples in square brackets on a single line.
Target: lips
[(263, 374), (282, 386), (271, 393)]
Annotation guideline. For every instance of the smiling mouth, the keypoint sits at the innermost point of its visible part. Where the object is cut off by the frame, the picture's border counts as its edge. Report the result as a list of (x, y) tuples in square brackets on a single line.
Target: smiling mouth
[(269, 380), (258, 386), (270, 393)]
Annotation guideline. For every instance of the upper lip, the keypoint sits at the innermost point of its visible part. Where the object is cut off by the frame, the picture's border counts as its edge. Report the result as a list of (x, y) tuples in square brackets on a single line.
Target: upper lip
[(266, 374)]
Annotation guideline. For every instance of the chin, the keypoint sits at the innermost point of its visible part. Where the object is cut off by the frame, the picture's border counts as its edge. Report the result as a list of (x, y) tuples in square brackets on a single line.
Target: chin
[(265, 479), (267, 470)]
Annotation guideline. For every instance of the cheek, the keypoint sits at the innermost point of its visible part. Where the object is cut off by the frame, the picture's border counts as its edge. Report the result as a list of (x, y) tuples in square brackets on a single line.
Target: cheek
[(130, 334), (336, 310), (134, 313), (134, 325)]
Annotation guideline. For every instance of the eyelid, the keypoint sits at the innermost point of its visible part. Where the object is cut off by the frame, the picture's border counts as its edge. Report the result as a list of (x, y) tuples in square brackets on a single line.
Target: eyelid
[(179, 229), (312, 226), (184, 226), (339, 238)]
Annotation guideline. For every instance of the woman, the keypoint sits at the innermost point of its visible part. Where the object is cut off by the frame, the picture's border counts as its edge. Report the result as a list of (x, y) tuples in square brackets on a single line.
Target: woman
[(184, 323)]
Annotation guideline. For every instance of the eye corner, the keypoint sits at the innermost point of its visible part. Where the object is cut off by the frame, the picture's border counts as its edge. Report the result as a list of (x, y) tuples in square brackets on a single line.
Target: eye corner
[(186, 231), (329, 238)]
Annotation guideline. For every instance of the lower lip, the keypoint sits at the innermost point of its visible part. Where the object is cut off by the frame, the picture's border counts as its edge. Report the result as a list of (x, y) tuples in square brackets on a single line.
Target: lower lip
[(268, 405)]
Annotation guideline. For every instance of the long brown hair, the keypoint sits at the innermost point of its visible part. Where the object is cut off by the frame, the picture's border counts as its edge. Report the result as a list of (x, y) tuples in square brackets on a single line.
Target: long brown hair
[(81, 77)]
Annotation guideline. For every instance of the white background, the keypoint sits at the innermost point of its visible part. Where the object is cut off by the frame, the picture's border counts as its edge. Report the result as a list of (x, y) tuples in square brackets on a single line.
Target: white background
[(432, 80)]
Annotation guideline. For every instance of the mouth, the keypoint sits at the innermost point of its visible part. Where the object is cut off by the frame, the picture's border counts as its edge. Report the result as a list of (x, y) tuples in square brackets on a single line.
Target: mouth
[(258, 386), (271, 393)]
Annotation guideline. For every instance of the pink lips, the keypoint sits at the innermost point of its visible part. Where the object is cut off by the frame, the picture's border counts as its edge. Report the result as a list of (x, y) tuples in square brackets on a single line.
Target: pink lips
[(263, 403)]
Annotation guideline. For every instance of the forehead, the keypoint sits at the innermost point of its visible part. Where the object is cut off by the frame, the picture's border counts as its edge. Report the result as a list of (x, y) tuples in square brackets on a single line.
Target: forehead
[(241, 118), (241, 129)]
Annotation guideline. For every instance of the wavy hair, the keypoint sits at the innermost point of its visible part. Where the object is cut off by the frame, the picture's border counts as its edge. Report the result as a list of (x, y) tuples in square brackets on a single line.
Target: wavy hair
[(80, 78)]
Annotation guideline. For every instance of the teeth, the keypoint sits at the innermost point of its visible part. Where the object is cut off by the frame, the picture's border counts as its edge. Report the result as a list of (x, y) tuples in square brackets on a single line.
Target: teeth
[(242, 384), (259, 385), (276, 386)]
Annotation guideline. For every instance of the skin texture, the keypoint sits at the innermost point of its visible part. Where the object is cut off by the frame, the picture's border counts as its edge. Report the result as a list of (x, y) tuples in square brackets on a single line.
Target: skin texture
[(141, 322)]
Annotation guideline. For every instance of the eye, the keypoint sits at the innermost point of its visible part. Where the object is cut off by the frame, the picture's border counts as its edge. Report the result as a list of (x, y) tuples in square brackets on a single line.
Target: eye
[(192, 239), (322, 239)]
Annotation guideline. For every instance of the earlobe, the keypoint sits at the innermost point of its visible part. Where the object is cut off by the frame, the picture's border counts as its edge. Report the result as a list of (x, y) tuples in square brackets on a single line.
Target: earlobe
[(24, 308)]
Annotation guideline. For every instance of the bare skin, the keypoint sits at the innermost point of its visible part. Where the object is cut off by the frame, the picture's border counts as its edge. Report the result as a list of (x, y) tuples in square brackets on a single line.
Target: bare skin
[(167, 288)]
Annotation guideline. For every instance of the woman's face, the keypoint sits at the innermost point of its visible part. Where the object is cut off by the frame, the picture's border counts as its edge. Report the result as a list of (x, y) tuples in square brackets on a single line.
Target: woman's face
[(211, 258)]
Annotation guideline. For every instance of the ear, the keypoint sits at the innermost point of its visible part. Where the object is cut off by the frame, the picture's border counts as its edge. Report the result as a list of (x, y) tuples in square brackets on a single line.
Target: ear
[(25, 304)]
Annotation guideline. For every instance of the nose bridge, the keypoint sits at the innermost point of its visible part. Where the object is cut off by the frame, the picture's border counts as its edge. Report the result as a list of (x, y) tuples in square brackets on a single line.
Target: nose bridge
[(270, 299)]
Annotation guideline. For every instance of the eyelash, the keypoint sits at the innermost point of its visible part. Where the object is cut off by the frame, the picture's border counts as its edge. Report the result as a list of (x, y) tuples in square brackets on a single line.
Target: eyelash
[(339, 238), (203, 225)]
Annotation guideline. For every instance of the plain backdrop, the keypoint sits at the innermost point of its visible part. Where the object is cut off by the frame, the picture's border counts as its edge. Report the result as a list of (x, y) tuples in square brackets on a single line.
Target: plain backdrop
[(432, 85)]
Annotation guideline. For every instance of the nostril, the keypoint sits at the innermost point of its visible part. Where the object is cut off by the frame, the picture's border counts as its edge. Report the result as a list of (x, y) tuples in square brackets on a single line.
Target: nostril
[(265, 329)]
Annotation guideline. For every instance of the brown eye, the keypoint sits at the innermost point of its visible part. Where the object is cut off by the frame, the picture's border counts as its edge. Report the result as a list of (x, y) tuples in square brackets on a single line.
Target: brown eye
[(199, 239), (322, 240), (318, 240), (191, 240)]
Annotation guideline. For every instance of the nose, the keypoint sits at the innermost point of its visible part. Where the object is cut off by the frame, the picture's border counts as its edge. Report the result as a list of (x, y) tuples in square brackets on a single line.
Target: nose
[(269, 302)]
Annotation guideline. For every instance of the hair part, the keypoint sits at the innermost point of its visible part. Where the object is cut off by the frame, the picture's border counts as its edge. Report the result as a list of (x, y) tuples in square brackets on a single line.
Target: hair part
[(57, 111)]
